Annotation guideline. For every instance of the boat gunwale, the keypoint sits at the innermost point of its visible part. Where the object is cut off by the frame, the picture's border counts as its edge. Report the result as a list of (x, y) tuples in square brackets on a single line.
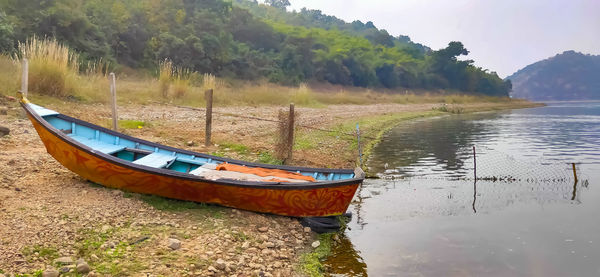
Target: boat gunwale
[(187, 176)]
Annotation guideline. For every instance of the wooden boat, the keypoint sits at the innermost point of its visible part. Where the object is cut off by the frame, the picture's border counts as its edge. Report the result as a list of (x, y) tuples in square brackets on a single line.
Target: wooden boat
[(119, 161)]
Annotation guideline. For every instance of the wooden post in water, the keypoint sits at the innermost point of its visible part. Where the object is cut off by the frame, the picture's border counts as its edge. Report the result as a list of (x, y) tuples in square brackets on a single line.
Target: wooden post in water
[(113, 101), (358, 144), (290, 138), (574, 173), (25, 77), (208, 96), (474, 163)]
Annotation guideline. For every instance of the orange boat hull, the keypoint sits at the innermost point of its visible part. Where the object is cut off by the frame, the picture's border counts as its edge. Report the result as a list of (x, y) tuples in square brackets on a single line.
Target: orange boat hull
[(301, 202)]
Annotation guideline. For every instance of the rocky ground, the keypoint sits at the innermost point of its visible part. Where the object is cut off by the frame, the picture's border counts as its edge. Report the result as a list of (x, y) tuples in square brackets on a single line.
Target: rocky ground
[(50, 218), (53, 221)]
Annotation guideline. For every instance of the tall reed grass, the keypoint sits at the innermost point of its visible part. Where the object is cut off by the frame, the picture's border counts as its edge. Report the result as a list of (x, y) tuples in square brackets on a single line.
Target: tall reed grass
[(209, 81), (54, 70), (304, 96), (173, 79), (10, 70), (52, 66), (97, 68), (181, 82), (165, 74)]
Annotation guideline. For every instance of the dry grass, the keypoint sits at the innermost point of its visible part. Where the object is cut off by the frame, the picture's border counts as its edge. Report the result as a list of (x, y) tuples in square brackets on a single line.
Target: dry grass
[(173, 80), (10, 72), (181, 89), (52, 66), (304, 96), (54, 71), (165, 74), (209, 81), (97, 68), (181, 82)]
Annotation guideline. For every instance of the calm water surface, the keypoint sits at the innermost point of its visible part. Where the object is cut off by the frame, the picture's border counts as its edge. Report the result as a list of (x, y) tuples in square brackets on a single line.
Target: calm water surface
[(428, 217)]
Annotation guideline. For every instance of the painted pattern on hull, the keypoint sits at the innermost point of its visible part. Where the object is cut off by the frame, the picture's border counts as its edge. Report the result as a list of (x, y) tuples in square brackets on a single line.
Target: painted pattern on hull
[(319, 201)]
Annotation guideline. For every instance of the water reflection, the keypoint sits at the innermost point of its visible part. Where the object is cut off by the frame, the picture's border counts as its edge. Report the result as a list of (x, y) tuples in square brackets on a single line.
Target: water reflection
[(423, 218), (406, 150), (347, 261), (474, 195), (391, 200), (357, 204)]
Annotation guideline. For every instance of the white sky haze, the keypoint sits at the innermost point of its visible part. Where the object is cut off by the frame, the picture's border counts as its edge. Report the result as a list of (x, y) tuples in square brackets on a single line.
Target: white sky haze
[(501, 35)]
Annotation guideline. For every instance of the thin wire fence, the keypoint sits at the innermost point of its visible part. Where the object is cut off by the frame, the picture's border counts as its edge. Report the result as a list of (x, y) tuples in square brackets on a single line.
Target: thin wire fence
[(353, 134), (485, 163), (490, 182), (494, 165), (420, 196)]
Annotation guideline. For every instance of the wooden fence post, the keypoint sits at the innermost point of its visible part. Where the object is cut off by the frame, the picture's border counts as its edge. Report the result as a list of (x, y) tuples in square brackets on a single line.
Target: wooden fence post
[(113, 101), (208, 96), (574, 173), (25, 77), (474, 164), (290, 138), (359, 146)]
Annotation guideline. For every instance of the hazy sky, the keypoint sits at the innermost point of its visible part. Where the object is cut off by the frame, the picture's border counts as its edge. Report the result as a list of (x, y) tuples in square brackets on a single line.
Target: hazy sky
[(502, 35)]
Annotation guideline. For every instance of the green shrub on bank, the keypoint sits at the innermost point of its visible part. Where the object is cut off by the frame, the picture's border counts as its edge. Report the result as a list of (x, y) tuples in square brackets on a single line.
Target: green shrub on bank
[(311, 262)]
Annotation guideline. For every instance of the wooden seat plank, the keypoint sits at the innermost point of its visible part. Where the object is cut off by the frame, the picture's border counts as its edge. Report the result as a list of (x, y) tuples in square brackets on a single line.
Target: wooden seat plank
[(157, 160), (98, 145)]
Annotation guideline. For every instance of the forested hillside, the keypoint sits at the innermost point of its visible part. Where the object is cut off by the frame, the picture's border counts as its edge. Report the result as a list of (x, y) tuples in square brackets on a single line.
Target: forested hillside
[(316, 19), (567, 76), (244, 40)]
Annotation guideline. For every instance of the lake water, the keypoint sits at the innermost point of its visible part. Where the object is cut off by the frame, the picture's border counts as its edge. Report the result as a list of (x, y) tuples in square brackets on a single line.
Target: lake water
[(427, 216)]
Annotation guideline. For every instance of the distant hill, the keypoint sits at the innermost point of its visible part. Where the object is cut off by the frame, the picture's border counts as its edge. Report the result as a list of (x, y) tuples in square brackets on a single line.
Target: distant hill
[(567, 76)]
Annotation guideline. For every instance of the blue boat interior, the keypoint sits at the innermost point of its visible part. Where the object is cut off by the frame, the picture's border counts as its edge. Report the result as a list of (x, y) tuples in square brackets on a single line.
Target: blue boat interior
[(144, 154)]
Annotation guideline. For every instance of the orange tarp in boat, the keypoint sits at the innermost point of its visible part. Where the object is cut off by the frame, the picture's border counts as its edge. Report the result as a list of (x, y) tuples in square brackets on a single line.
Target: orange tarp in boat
[(264, 172)]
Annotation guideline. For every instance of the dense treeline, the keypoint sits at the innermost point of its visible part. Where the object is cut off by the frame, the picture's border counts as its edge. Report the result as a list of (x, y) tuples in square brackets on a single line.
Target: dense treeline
[(244, 40)]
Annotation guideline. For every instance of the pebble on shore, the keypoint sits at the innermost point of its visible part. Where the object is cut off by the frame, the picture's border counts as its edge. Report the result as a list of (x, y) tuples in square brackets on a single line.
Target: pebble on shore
[(51, 272), (4, 131), (174, 243), (263, 229), (316, 244), (83, 268), (64, 261)]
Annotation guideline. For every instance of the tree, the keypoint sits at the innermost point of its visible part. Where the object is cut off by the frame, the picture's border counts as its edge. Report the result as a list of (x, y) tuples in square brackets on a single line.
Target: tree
[(387, 75), (380, 37), (280, 4), (246, 28), (454, 49), (445, 69), (6, 35)]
